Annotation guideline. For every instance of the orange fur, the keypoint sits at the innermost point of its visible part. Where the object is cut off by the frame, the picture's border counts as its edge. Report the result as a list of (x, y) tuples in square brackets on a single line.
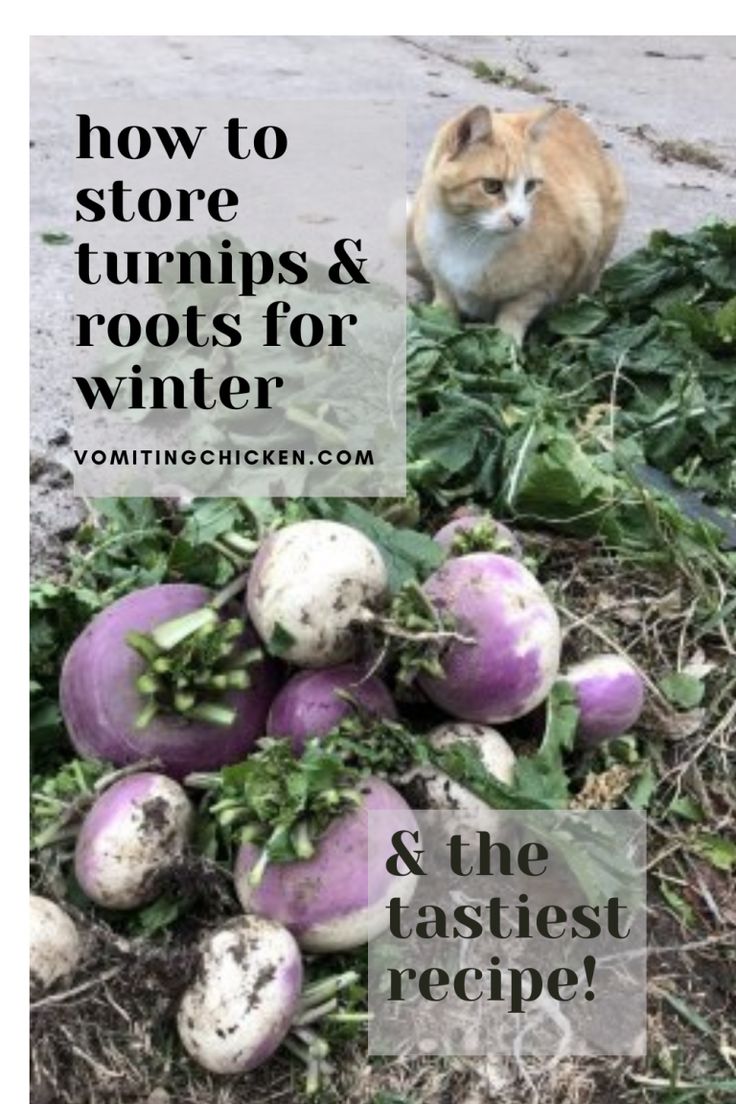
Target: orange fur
[(514, 213)]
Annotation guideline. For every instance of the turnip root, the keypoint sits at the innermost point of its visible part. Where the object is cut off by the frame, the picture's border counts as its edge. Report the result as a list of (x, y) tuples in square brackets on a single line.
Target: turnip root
[(55, 948), (513, 660), (610, 697), (336, 900), (308, 586), (312, 703), (241, 1005), (481, 532), (133, 832), (190, 710)]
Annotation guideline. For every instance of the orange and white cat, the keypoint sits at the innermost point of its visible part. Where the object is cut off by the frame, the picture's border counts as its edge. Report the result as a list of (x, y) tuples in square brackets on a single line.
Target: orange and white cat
[(514, 213)]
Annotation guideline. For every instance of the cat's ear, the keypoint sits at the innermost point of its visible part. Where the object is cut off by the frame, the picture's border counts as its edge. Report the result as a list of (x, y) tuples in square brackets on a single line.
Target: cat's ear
[(540, 123), (474, 126)]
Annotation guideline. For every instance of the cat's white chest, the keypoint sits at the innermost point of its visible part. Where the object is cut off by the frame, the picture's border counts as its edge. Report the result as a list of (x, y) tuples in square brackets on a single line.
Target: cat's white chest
[(459, 256)]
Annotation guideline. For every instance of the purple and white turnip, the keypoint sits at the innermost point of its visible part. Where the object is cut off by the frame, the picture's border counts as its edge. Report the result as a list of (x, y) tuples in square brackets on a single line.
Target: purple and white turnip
[(336, 899), (124, 698), (245, 995), (509, 654), (133, 833), (55, 944), (610, 697), (312, 703), (309, 585)]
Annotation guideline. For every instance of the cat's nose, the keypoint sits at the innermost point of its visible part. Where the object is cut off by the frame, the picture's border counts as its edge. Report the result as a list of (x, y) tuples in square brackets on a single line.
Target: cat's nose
[(516, 220)]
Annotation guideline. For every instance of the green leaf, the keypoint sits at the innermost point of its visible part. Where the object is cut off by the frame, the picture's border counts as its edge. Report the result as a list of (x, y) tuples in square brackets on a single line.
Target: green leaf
[(685, 807), (281, 641), (719, 851), (581, 318), (642, 790), (58, 797), (678, 904), (56, 237), (688, 1013), (639, 276), (208, 518), (682, 690), (540, 780), (542, 777), (159, 915), (408, 555), (558, 482)]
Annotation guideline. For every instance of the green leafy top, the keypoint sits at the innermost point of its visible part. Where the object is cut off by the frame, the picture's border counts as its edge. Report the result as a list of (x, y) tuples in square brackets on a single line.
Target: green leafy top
[(409, 555), (563, 434), (483, 535), (284, 802), (280, 801), (540, 780)]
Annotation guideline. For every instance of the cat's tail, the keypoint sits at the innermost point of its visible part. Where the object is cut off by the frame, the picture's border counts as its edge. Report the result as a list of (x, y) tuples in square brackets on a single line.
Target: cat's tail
[(613, 214)]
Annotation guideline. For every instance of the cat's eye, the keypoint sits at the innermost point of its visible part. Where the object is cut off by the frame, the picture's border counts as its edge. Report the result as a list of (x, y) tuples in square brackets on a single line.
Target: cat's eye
[(492, 186), (531, 185)]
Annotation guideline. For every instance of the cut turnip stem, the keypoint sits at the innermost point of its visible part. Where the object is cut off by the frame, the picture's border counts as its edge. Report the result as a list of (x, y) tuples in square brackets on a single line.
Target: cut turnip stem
[(134, 832), (318, 1002), (191, 661), (309, 584), (477, 533), (191, 692), (414, 632)]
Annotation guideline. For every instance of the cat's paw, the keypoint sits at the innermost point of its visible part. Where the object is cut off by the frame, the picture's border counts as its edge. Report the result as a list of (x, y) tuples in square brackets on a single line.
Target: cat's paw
[(513, 328)]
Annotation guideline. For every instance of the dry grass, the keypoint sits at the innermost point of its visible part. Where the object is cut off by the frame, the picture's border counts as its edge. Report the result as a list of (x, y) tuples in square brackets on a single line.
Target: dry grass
[(671, 150)]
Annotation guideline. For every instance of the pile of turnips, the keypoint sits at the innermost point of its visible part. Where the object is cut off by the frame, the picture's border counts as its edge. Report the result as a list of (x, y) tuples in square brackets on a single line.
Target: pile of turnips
[(192, 681)]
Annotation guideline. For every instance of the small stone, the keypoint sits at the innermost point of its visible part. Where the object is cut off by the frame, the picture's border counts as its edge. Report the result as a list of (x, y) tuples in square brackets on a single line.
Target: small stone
[(158, 1096), (38, 464), (60, 436)]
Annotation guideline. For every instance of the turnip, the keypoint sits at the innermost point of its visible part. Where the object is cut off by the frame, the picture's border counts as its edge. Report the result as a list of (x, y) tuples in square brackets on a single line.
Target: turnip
[(309, 584), (131, 835), (189, 692), (610, 697), (242, 1002), (55, 948), (477, 533), (514, 656), (336, 899), (312, 703), (439, 791)]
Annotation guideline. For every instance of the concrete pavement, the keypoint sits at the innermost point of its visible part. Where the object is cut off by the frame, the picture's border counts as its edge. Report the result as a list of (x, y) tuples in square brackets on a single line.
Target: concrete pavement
[(665, 106)]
